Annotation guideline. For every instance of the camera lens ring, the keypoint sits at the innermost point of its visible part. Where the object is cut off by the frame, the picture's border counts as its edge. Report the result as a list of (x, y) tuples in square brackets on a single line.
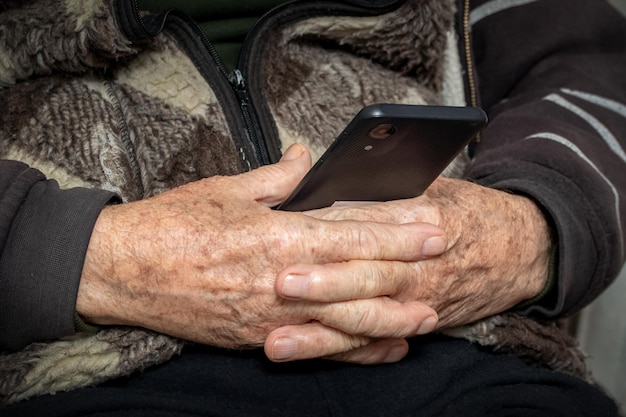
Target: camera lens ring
[(382, 131)]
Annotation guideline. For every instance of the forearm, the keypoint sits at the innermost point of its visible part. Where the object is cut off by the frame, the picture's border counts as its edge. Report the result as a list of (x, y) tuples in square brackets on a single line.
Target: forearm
[(45, 237), (580, 201), (559, 138)]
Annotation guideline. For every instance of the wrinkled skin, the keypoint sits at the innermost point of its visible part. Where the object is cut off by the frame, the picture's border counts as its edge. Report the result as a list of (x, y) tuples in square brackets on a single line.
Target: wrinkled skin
[(200, 262), (498, 253), (210, 262)]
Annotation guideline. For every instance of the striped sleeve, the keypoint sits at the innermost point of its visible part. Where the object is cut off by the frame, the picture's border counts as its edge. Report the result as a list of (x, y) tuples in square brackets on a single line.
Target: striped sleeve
[(551, 77)]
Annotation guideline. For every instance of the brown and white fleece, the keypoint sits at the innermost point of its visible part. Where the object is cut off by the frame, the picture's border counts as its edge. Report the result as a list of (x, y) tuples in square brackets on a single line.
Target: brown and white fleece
[(91, 106)]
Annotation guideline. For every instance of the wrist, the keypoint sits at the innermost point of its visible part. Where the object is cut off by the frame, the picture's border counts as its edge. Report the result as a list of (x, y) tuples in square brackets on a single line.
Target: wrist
[(549, 285), (96, 299), (543, 249)]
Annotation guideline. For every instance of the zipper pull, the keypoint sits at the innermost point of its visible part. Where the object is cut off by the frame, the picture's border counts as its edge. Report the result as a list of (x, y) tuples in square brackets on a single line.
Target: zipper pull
[(239, 84)]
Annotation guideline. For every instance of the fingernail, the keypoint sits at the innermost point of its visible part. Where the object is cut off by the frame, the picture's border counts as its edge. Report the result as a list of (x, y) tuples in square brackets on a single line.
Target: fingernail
[(284, 348), (295, 286), (433, 246), (428, 325), (293, 152)]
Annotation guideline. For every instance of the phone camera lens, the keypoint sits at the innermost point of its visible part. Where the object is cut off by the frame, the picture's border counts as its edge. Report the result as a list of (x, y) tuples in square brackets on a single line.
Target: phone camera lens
[(382, 131)]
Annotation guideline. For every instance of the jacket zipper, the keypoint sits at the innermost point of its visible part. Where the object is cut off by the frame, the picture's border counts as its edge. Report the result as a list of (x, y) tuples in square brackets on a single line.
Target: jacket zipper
[(469, 58), (209, 64), (253, 132), (238, 79), (254, 135), (238, 84), (469, 64), (468, 54), (260, 131), (132, 23)]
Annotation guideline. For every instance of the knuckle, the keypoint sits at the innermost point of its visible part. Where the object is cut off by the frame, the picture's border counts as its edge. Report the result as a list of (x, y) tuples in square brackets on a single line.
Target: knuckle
[(405, 321), (355, 342), (371, 283), (364, 323), (368, 243)]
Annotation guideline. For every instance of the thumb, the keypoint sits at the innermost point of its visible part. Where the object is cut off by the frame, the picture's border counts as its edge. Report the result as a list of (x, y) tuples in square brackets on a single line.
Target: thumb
[(272, 184)]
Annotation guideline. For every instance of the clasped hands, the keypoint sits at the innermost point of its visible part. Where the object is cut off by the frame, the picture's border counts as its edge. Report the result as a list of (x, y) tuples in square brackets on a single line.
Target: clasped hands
[(210, 262)]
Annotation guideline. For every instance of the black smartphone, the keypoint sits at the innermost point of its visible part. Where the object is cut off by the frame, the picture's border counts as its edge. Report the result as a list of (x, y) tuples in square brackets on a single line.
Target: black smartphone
[(387, 152)]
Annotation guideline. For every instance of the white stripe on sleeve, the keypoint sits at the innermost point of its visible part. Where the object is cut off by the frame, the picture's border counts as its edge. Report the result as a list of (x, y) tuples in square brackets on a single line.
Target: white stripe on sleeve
[(608, 104), (602, 130), (568, 144), (494, 6)]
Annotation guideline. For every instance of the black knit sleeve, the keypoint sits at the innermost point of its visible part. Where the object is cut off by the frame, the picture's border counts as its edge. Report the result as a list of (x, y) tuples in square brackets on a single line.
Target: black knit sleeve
[(44, 234), (552, 80)]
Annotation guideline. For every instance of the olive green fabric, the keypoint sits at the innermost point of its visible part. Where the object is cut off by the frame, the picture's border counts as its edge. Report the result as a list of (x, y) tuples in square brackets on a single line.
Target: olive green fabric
[(225, 22)]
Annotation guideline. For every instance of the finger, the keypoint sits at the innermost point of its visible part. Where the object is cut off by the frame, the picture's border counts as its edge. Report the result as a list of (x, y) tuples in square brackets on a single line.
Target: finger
[(307, 341), (346, 281), (377, 241), (314, 340), (377, 352), (379, 317), (272, 184)]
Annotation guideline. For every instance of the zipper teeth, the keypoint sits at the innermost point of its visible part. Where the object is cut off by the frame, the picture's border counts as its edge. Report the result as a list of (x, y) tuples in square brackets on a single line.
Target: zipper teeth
[(468, 54), (136, 14), (252, 132), (469, 60), (255, 26), (247, 107), (238, 82), (244, 102), (210, 48), (281, 6), (194, 26)]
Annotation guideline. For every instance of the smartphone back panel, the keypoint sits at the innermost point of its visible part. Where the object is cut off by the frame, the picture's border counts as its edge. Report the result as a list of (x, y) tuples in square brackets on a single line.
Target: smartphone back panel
[(387, 152)]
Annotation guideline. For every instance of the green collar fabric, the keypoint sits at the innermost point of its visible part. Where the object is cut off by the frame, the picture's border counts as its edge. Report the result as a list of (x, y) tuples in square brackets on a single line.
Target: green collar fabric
[(225, 22)]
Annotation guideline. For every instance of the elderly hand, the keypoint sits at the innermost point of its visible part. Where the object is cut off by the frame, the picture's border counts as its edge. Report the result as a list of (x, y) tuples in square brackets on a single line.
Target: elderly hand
[(499, 248), (200, 262)]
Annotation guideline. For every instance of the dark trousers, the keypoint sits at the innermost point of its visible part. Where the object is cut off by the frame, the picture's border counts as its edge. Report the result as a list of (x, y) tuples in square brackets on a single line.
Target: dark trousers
[(440, 377)]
